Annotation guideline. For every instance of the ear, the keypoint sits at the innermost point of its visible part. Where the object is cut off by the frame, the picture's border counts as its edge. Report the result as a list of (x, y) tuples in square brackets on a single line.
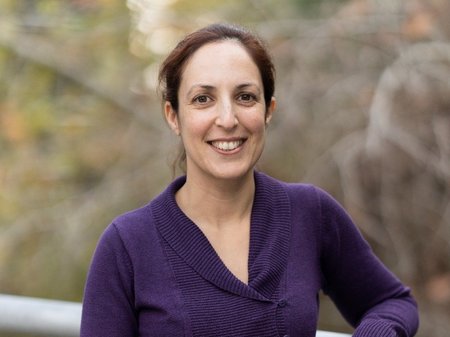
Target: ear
[(171, 117), (271, 109)]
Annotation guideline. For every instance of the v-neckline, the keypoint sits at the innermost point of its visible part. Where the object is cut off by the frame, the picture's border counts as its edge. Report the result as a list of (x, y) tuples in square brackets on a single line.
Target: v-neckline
[(268, 247)]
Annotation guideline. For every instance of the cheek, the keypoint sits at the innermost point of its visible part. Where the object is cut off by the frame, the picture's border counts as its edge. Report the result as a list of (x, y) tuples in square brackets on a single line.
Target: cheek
[(256, 123), (194, 125)]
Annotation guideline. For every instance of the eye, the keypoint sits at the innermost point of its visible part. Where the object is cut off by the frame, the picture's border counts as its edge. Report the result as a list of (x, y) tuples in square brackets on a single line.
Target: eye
[(201, 99), (247, 98)]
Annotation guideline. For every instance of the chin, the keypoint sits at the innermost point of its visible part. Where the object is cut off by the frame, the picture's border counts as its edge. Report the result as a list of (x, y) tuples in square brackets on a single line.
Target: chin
[(232, 173)]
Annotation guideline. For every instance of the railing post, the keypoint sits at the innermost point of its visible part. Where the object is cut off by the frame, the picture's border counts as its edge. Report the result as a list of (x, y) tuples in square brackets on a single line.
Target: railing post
[(331, 334), (39, 316)]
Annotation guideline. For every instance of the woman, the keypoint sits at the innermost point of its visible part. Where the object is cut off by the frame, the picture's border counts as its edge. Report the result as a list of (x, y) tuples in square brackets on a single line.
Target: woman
[(226, 250)]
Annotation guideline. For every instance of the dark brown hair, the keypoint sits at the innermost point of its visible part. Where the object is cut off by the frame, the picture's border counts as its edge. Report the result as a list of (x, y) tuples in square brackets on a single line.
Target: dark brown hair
[(172, 68)]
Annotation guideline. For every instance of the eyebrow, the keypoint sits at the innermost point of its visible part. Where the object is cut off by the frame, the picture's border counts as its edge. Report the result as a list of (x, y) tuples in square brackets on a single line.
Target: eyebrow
[(250, 84), (202, 86), (208, 87)]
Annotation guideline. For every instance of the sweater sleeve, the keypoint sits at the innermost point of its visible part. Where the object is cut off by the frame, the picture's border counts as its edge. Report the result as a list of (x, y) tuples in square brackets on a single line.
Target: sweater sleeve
[(367, 294), (108, 303)]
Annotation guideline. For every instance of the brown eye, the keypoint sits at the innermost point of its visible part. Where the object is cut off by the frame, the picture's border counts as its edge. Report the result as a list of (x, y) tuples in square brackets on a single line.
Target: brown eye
[(202, 99), (247, 98)]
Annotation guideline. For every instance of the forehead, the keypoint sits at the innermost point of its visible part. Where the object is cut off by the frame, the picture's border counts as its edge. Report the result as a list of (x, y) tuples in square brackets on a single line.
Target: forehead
[(221, 60)]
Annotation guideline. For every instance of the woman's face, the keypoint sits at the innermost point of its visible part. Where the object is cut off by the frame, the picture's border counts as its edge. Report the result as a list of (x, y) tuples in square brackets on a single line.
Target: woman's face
[(222, 114)]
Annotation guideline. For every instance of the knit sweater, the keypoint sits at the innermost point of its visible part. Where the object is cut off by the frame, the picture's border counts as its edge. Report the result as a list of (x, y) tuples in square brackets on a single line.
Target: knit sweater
[(154, 273)]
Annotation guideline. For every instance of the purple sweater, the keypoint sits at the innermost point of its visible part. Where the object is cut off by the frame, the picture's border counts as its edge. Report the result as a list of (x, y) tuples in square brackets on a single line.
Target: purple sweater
[(154, 273)]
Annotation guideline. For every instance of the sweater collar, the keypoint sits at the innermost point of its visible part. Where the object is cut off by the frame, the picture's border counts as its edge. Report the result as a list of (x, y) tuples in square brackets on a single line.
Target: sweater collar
[(269, 239)]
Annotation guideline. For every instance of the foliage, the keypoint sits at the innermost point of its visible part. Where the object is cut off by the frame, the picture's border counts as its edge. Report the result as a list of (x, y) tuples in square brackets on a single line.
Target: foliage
[(64, 116), (317, 7), (363, 111)]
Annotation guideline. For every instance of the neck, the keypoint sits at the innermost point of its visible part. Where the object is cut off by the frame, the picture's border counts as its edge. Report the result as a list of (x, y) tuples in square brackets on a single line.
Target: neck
[(219, 203)]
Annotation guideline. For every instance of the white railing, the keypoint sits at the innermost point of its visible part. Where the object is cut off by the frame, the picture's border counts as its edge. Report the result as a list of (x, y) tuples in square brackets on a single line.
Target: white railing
[(38, 316)]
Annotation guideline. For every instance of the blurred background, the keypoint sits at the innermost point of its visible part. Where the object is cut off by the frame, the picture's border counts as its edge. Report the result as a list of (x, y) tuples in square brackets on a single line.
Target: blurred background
[(363, 91)]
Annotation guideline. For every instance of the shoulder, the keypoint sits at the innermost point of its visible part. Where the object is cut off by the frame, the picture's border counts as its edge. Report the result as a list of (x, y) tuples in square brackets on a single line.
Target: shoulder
[(314, 196), (267, 181), (314, 203), (305, 193), (141, 221), (127, 230), (139, 226), (133, 220)]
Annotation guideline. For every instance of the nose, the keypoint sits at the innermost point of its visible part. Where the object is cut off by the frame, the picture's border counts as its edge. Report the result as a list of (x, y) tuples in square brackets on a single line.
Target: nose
[(226, 116)]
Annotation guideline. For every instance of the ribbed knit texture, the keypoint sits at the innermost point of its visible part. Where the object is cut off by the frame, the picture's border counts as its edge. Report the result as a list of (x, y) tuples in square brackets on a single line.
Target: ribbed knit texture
[(375, 328), (154, 273), (231, 307)]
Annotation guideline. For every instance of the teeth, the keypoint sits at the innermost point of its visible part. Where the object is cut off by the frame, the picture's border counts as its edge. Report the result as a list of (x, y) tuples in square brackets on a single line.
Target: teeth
[(227, 146)]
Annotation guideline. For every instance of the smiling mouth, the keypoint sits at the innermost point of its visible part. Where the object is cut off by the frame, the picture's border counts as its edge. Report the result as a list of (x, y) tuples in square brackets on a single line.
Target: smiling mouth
[(227, 145)]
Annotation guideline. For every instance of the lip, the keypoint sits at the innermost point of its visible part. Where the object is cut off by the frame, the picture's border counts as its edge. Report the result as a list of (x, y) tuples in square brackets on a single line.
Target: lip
[(227, 145)]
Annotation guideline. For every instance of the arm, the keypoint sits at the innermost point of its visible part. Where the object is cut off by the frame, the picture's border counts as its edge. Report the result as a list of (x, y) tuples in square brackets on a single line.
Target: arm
[(368, 295), (108, 304)]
